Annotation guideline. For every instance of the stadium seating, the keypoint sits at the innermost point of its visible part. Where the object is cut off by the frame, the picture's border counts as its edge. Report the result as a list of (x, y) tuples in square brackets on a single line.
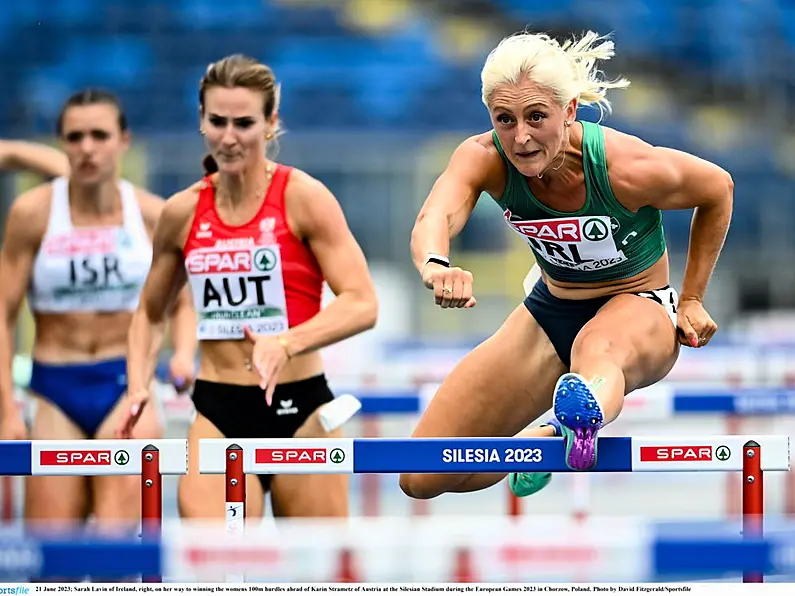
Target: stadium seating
[(387, 70)]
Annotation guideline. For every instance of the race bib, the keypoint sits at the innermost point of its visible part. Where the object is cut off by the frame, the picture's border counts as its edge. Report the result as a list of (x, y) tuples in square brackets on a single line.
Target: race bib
[(234, 287), (579, 243), (90, 269)]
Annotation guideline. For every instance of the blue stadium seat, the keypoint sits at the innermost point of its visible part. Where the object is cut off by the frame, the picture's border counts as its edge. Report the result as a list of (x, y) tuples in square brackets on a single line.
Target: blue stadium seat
[(533, 10), (110, 61), (209, 14), (63, 14)]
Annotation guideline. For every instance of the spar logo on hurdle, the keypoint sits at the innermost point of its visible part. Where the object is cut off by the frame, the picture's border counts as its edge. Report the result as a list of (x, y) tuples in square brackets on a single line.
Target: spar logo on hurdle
[(290, 456), (725, 453), (299, 456), (280, 456), (104, 457), (685, 453), (81, 457)]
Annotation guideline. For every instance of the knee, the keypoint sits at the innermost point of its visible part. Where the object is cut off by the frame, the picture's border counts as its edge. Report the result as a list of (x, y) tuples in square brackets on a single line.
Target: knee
[(417, 486), (598, 346)]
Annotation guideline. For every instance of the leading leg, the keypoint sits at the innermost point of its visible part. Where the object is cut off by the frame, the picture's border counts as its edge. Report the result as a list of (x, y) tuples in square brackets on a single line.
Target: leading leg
[(629, 344)]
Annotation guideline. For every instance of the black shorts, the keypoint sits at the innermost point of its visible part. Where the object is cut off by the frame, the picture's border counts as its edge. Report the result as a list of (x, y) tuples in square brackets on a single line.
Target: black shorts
[(562, 319), (240, 411)]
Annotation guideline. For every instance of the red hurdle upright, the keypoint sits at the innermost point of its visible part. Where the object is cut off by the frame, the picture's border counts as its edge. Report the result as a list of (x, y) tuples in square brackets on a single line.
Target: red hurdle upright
[(151, 498), (753, 502), (235, 489)]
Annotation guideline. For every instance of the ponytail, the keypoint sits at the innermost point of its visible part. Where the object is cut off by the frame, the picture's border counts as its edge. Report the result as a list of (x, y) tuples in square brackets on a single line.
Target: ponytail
[(210, 165)]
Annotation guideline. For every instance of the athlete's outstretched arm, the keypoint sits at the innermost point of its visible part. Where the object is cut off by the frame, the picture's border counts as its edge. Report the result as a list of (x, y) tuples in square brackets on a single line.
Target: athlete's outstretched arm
[(24, 155), (670, 180), (472, 170), (321, 223), (23, 234), (163, 284)]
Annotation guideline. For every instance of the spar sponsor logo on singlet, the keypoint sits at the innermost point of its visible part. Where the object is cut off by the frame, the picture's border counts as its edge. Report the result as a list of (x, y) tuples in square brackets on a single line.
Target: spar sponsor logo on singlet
[(237, 283), (92, 257), (580, 243)]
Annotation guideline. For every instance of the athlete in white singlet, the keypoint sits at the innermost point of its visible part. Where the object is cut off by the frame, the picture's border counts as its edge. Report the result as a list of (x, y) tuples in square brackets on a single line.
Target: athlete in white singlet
[(81, 247)]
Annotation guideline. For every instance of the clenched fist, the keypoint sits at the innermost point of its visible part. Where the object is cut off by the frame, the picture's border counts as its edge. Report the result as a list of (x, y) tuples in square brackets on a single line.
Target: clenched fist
[(452, 286), (694, 324)]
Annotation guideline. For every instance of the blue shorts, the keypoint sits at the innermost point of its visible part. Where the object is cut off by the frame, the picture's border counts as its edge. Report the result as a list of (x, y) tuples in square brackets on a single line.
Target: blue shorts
[(86, 393), (562, 319)]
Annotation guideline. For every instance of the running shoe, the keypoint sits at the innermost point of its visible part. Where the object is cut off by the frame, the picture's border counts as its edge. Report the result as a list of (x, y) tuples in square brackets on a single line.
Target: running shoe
[(580, 417), (524, 484)]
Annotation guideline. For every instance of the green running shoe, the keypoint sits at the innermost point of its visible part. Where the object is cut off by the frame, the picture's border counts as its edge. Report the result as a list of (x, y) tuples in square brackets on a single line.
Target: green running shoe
[(524, 484)]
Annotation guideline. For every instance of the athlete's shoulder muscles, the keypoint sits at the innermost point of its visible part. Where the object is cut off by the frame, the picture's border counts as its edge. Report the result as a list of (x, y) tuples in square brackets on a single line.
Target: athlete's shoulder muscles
[(319, 219), (175, 217), (167, 274), (645, 175), (27, 219), (475, 167), (25, 227)]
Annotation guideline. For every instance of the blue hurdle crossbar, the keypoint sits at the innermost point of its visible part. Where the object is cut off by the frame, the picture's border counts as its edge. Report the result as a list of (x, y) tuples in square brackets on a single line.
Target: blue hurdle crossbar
[(487, 455)]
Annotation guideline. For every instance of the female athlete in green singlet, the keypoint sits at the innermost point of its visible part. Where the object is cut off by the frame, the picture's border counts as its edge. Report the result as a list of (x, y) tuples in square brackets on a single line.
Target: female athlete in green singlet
[(602, 320)]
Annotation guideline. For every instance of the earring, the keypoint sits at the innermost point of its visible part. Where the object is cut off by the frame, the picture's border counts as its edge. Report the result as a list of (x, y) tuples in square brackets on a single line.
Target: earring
[(268, 136), (201, 131), (568, 122)]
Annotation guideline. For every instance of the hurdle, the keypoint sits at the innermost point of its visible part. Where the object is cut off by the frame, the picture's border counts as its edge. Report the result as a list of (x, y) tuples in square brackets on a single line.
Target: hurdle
[(149, 459), (750, 455), (660, 402)]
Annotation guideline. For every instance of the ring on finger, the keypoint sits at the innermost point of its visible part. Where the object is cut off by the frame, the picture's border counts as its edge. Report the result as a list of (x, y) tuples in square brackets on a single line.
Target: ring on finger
[(447, 290)]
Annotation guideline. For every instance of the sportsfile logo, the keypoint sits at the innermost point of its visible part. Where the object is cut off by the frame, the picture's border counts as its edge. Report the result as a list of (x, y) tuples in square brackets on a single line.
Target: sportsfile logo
[(219, 261), (93, 457), (671, 453)]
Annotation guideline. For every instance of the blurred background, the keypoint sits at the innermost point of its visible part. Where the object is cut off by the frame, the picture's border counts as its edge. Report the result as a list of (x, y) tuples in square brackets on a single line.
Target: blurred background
[(375, 96)]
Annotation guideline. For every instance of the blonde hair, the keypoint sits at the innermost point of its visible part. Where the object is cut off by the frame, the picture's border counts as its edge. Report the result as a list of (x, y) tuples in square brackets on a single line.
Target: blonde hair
[(567, 69), (241, 71)]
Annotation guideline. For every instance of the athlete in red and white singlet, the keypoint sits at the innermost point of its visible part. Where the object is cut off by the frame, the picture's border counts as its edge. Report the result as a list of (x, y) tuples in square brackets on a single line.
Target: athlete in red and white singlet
[(258, 274), (255, 241)]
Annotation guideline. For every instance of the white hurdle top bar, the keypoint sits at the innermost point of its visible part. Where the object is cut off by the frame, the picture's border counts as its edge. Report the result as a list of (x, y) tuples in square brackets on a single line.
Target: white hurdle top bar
[(90, 457), (486, 455)]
